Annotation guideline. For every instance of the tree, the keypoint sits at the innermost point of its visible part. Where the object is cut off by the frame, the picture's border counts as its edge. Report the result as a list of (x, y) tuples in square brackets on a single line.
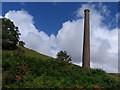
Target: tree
[(63, 56), (10, 34)]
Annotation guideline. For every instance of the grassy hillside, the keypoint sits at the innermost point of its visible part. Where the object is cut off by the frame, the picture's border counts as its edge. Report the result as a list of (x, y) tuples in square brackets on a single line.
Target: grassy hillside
[(25, 68)]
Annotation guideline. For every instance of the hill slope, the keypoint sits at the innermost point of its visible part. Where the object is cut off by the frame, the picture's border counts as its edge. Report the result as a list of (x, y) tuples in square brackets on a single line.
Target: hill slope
[(25, 68)]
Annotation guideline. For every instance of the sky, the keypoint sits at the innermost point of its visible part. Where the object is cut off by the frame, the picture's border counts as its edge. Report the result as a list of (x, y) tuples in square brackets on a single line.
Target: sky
[(48, 27)]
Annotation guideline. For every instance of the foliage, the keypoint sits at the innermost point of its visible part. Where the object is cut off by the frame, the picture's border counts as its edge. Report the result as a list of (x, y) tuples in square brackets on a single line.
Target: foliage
[(10, 34), (21, 43), (63, 56), (24, 68)]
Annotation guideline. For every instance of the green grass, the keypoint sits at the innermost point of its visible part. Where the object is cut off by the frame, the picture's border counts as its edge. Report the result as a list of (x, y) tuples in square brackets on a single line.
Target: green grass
[(25, 68)]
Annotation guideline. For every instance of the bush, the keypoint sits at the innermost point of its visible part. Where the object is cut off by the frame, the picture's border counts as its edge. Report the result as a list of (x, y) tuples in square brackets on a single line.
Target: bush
[(63, 56), (21, 43)]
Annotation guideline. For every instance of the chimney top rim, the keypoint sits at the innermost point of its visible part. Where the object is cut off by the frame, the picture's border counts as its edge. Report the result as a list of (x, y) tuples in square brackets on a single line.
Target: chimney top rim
[(86, 10)]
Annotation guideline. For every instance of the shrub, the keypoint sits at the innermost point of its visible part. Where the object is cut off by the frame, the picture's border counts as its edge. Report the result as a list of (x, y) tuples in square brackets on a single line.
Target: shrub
[(63, 56)]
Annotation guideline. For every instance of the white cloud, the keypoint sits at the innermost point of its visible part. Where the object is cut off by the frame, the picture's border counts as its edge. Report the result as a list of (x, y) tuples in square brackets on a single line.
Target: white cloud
[(38, 41), (104, 42), (1, 16), (70, 38)]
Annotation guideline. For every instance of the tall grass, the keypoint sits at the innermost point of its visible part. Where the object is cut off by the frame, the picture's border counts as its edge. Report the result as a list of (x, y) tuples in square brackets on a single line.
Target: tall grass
[(24, 68)]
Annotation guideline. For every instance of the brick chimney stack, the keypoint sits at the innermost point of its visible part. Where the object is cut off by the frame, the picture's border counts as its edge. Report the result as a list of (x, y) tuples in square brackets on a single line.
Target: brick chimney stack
[(86, 42)]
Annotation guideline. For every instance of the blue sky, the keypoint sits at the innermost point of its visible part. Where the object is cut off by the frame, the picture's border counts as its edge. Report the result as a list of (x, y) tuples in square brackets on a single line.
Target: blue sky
[(49, 17)]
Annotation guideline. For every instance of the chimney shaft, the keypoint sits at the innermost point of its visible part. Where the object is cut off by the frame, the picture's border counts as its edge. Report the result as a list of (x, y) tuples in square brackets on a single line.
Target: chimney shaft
[(86, 42)]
